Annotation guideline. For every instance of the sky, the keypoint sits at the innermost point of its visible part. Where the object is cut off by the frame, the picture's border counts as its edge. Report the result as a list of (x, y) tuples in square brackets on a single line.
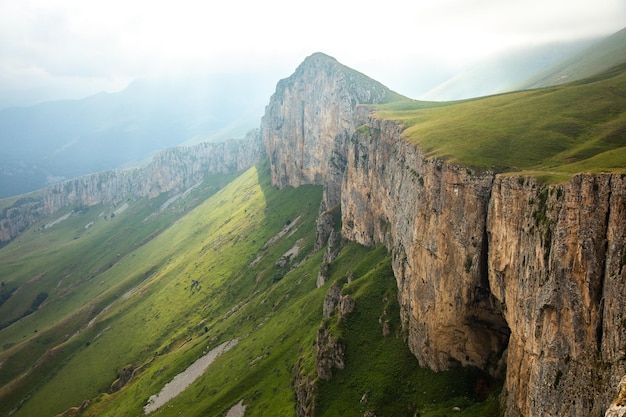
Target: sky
[(79, 47)]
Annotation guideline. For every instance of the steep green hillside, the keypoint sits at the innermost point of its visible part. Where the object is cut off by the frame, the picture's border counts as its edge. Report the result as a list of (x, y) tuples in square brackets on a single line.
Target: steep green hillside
[(65, 139), (135, 291), (550, 133), (599, 57)]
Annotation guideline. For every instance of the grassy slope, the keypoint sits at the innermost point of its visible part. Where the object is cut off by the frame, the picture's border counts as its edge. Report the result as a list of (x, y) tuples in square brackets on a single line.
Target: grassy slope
[(72, 265), (382, 368), (603, 55), (550, 133), (154, 319)]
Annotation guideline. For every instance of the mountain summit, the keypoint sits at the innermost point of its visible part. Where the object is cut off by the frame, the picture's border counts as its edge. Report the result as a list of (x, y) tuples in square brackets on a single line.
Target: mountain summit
[(357, 269)]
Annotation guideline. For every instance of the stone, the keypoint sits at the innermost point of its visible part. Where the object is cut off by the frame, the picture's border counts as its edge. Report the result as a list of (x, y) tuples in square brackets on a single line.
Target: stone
[(520, 279), (618, 406)]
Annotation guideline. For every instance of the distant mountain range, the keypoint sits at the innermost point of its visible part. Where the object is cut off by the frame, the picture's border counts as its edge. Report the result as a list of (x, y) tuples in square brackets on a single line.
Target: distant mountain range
[(57, 140), (599, 57)]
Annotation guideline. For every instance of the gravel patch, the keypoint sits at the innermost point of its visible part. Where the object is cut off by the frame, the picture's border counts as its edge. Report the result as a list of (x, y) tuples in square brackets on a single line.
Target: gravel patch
[(186, 378), (238, 410)]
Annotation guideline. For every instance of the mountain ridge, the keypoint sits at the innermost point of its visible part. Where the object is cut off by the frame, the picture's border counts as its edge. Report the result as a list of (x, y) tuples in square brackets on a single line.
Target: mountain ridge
[(504, 273), (450, 232), (173, 170), (599, 57)]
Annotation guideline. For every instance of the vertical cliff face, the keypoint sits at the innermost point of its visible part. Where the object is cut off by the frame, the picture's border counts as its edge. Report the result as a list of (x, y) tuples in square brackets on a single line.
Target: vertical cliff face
[(307, 126), (556, 261), (431, 215), (498, 272), (309, 118), (174, 169)]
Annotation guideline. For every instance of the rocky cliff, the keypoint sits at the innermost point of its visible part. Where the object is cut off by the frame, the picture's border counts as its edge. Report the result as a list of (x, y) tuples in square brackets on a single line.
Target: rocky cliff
[(523, 280), (556, 261), (520, 279), (308, 123), (174, 169)]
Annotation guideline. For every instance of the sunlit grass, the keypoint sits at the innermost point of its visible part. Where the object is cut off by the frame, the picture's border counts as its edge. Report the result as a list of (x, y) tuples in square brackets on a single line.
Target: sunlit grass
[(149, 314), (562, 130)]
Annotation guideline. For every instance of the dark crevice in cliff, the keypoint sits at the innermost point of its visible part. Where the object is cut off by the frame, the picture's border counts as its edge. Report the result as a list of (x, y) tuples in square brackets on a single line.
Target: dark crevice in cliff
[(490, 316), (600, 293), (484, 257), (302, 126)]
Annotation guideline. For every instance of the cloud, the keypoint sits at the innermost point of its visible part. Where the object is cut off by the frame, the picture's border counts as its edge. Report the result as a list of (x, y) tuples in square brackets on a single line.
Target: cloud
[(46, 40)]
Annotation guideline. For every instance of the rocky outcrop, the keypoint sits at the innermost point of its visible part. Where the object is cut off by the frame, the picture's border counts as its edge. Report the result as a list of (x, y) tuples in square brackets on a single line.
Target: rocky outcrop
[(331, 301), (175, 169), (618, 406), (305, 390), (122, 379), (494, 271), (329, 352), (556, 261), (332, 251)]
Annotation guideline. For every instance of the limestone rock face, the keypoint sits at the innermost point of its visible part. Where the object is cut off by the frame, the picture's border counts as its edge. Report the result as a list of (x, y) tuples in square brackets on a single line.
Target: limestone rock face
[(556, 261), (309, 118), (174, 169), (499, 272), (431, 215)]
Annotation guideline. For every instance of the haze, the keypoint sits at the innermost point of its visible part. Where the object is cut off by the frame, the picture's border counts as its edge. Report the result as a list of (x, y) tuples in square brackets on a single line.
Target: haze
[(72, 48)]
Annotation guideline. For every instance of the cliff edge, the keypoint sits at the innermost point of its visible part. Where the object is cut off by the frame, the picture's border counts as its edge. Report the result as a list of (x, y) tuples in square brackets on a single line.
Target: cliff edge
[(174, 169), (520, 279)]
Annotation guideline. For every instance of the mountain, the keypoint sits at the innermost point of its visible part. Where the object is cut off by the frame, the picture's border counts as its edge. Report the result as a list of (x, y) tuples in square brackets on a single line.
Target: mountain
[(494, 271), (376, 256), (504, 72), (173, 170), (597, 58), (58, 140)]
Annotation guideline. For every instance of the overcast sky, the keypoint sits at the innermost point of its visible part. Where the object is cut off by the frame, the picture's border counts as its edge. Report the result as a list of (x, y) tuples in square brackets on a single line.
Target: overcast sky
[(85, 46)]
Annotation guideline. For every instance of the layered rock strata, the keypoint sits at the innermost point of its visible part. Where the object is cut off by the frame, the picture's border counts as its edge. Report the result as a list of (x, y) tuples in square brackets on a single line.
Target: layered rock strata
[(174, 169), (556, 262), (498, 272)]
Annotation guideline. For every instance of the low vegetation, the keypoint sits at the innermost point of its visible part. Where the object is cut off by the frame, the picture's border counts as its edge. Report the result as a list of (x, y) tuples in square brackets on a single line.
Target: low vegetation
[(550, 133), (146, 295)]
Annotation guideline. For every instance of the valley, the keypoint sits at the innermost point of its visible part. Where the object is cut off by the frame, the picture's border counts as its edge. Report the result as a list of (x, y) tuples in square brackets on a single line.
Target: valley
[(230, 246), (371, 255)]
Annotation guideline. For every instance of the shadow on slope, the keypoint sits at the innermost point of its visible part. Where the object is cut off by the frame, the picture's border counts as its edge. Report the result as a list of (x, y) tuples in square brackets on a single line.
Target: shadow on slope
[(239, 265)]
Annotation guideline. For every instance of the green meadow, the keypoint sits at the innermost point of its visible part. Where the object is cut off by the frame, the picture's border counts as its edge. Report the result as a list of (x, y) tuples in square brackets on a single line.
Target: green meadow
[(550, 133), (156, 289)]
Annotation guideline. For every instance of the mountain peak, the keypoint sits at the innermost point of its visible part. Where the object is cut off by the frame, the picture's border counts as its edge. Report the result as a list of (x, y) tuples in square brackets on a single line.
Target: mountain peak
[(320, 70), (324, 90), (319, 56)]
